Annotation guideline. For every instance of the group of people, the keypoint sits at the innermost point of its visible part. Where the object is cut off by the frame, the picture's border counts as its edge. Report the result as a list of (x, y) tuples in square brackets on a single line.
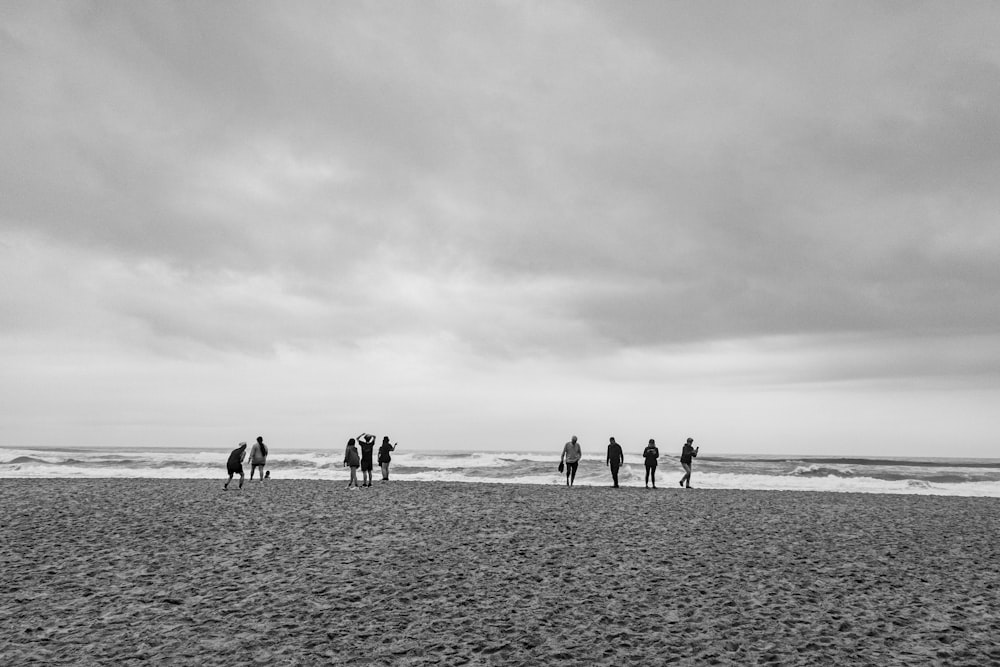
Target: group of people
[(354, 460), (569, 462), (258, 459)]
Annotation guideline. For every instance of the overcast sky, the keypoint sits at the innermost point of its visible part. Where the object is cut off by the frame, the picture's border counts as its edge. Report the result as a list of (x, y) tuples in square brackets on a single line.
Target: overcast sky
[(773, 227)]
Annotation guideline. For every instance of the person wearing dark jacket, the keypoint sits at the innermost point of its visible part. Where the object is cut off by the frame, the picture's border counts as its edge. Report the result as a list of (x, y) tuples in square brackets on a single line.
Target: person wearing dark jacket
[(616, 457), (687, 453), (649, 455), (352, 460), (235, 464), (367, 443), (384, 456)]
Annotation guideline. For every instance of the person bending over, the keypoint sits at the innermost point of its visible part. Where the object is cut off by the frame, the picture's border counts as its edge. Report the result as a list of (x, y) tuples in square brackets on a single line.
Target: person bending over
[(235, 464)]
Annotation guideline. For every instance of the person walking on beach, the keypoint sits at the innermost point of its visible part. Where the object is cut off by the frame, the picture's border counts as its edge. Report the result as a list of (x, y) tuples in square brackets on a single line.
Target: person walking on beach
[(352, 461), (650, 454), (258, 457), (616, 457), (571, 455), (687, 453), (367, 442), (384, 457), (235, 464)]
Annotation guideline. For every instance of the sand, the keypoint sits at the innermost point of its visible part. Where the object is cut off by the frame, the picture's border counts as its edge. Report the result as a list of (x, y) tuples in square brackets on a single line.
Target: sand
[(307, 572)]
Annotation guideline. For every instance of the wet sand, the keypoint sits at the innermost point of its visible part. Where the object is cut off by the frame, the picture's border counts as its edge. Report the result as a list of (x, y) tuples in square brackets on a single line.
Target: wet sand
[(305, 572)]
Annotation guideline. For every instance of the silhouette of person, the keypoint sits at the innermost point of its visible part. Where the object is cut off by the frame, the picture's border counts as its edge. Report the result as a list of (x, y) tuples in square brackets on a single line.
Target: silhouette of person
[(258, 457), (616, 457), (367, 442), (384, 457), (352, 460), (687, 453), (571, 454), (235, 464), (650, 454)]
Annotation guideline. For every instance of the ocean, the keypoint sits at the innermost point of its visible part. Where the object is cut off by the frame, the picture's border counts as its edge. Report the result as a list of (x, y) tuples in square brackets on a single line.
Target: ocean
[(919, 476)]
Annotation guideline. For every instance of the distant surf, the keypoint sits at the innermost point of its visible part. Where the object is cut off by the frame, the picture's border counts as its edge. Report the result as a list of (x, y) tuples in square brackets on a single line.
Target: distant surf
[(924, 476)]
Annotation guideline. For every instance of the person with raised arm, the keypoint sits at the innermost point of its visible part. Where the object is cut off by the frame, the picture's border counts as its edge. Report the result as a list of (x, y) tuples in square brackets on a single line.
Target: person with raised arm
[(384, 457), (687, 454), (367, 443)]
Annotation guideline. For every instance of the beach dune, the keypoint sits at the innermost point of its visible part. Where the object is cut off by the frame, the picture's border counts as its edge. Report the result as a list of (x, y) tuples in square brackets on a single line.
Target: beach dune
[(307, 572)]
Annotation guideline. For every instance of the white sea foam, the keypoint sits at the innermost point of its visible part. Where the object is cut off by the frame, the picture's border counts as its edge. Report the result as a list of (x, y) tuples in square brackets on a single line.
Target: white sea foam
[(844, 485), (925, 477), (708, 481), (454, 461)]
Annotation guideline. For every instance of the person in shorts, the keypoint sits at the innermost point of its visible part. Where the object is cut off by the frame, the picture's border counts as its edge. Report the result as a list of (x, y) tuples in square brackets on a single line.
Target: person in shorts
[(235, 464), (367, 442), (352, 461), (688, 452), (258, 457)]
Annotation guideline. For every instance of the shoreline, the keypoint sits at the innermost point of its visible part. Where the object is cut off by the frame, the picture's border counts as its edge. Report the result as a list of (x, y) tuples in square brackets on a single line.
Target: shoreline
[(307, 572), (877, 475), (627, 486)]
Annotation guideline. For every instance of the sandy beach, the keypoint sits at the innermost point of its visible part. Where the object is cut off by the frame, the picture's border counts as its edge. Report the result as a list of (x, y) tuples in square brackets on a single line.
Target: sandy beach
[(305, 572)]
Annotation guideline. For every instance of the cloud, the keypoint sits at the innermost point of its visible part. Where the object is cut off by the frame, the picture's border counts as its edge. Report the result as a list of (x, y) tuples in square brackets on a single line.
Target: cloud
[(721, 195)]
